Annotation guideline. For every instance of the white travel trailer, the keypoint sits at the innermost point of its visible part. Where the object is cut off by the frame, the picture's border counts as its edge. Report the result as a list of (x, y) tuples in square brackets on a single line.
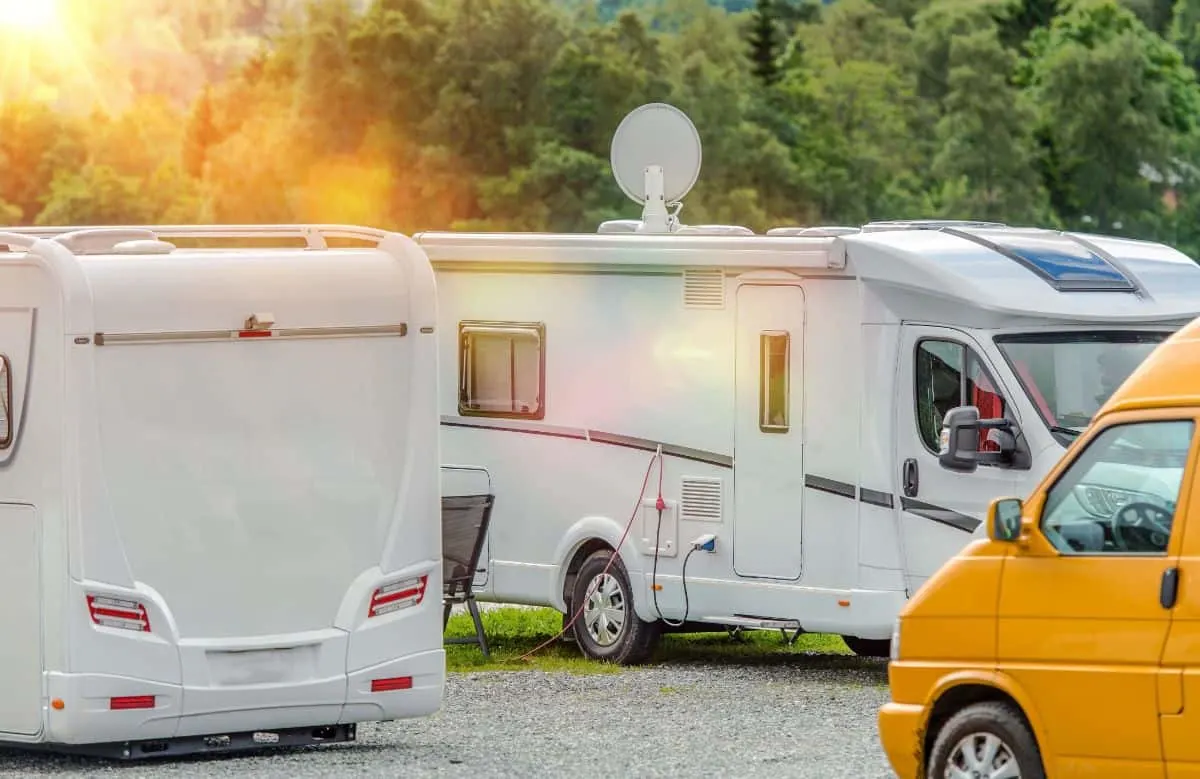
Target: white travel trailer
[(219, 490), (782, 393)]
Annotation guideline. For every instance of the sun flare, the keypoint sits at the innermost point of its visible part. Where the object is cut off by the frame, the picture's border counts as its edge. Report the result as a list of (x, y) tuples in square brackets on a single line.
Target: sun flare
[(28, 15)]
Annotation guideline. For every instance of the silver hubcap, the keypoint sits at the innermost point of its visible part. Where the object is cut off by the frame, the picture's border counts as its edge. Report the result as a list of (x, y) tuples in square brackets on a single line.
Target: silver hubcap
[(604, 614), (982, 756)]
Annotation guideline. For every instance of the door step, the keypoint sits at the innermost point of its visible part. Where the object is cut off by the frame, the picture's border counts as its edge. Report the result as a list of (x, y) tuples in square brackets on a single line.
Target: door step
[(737, 623)]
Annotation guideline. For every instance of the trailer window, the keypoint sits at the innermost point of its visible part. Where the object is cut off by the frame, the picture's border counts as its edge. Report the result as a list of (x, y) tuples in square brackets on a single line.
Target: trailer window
[(6, 431), (950, 374), (501, 369), (774, 356)]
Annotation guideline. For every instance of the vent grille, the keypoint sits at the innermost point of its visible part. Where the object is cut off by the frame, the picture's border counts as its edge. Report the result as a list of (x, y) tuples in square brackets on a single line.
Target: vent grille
[(701, 499), (704, 288)]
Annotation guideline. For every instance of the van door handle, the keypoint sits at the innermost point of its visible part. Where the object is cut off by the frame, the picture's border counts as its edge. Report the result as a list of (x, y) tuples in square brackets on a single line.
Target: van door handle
[(911, 479), (1168, 590)]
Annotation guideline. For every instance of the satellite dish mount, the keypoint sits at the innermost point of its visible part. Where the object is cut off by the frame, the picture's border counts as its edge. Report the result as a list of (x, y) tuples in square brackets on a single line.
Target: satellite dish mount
[(655, 159)]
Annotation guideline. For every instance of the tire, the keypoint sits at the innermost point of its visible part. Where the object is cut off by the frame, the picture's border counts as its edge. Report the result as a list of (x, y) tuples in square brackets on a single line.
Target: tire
[(630, 643), (992, 719), (869, 647)]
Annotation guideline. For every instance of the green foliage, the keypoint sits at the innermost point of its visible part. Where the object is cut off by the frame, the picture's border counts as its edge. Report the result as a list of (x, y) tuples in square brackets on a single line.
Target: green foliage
[(498, 114)]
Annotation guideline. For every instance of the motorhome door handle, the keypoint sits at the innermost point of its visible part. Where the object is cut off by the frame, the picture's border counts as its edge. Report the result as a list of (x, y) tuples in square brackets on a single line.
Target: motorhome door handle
[(911, 480), (1168, 590)]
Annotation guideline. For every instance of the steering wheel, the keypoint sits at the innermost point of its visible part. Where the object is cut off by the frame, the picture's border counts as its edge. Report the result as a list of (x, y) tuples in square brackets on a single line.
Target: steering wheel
[(1147, 525)]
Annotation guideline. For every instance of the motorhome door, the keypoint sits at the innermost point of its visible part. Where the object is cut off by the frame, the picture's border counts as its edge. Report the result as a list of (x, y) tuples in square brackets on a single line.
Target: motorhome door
[(768, 474), (940, 368)]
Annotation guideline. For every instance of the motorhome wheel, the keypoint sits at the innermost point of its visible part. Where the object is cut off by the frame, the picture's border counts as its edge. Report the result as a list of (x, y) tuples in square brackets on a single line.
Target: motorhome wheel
[(609, 629), (985, 740), (869, 647)]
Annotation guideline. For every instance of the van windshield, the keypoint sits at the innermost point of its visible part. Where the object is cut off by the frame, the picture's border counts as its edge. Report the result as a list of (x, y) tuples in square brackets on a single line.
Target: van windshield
[(1069, 375)]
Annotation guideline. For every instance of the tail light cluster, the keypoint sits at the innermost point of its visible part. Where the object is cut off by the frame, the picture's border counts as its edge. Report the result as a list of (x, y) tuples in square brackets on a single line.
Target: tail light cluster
[(111, 612), (397, 595)]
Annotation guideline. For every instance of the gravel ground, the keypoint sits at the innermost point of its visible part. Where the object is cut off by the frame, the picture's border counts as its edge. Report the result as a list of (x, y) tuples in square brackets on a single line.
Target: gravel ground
[(805, 717)]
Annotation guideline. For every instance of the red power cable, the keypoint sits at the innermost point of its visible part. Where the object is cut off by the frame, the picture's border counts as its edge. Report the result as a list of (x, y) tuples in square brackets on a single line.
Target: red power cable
[(641, 495)]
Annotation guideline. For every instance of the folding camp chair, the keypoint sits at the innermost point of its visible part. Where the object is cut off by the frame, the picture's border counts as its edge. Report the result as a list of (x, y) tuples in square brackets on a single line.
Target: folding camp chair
[(464, 527)]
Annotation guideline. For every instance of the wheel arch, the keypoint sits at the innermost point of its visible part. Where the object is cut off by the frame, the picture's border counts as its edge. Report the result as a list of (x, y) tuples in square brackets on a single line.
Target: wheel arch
[(958, 691), (586, 537)]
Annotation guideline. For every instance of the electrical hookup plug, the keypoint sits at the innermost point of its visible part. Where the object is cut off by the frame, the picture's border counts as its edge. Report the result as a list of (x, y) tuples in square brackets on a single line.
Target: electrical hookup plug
[(705, 543)]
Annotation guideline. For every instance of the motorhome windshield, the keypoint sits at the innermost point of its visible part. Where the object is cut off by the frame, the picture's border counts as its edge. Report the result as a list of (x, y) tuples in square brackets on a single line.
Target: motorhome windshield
[(1069, 375)]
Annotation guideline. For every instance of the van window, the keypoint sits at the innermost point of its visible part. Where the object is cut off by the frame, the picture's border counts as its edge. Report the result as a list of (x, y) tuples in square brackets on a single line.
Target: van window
[(950, 374), (1119, 496), (6, 420), (774, 379), (501, 367)]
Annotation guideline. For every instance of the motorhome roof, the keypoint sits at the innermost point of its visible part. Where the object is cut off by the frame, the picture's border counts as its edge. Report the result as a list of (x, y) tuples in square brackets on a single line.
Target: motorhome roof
[(1026, 272), (1168, 377), (128, 280)]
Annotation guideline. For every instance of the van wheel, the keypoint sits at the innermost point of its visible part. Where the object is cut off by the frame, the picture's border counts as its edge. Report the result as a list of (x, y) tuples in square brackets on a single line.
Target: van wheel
[(985, 739), (609, 629), (869, 647)]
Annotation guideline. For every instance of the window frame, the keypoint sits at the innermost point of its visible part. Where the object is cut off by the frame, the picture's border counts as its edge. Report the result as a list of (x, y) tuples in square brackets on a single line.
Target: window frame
[(968, 350), (764, 383), (1180, 499), (6, 402), (465, 331)]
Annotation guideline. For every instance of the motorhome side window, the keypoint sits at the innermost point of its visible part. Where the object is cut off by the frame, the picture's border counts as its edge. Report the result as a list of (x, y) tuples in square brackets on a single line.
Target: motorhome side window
[(950, 374), (774, 356), (501, 367), (6, 420)]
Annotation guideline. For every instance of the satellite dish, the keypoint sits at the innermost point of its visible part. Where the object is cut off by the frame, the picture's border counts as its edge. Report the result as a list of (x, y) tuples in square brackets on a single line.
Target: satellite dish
[(656, 134)]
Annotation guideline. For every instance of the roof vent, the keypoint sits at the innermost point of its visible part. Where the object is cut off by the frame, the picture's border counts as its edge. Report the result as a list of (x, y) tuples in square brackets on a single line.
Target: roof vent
[(927, 224), (812, 232), (704, 288), (619, 226), (714, 230), (143, 247)]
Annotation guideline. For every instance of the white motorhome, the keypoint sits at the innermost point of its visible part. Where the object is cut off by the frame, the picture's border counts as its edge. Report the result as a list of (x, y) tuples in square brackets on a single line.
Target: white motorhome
[(219, 490), (783, 394)]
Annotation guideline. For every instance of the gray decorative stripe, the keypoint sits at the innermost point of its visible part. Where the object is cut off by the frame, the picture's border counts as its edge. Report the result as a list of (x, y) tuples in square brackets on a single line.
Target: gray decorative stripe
[(596, 436), (938, 514), (831, 486), (876, 498)]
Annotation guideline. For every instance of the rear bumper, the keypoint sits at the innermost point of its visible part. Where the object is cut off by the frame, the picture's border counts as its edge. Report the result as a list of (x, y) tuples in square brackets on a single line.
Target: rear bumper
[(86, 716), (900, 735)]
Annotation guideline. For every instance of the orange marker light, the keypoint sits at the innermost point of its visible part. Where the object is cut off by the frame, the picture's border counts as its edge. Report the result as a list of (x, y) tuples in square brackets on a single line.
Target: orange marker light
[(843, 603), (57, 704)]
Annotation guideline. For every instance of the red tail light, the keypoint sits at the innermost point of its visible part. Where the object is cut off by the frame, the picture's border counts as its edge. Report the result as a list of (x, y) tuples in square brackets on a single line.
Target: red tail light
[(118, 613), (397, 595), (126, 702), (394, 683)]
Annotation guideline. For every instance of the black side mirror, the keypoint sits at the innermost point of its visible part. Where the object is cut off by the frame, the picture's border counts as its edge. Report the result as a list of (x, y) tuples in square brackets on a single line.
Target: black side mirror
[(959, 449)]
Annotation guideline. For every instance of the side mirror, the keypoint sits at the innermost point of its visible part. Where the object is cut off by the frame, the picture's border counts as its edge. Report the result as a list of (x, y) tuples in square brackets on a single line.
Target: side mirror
[(959, 443), (959, 450), (1004, 519)]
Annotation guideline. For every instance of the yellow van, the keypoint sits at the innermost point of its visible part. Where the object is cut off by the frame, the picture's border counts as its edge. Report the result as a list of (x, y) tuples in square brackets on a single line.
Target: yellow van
[(1067, 643)]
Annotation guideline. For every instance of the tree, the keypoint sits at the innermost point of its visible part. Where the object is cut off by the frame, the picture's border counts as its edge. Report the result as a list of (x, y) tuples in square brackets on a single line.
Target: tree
[(765, 42), (1112, 100), (986, 149)]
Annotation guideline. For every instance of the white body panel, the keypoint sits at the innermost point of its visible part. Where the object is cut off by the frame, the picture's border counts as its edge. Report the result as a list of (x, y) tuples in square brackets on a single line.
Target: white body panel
[(652, 340), (249, 486)]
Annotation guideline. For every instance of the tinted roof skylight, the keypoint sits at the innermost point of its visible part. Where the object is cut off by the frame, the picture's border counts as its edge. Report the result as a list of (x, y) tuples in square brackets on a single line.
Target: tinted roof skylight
[(1060, 261)]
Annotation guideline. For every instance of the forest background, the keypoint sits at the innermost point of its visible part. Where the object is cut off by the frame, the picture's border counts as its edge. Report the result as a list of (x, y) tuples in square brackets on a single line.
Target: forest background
[(498, 114)]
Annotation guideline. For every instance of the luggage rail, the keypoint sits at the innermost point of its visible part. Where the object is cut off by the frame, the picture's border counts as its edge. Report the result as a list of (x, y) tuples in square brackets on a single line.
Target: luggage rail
[(315, 236)]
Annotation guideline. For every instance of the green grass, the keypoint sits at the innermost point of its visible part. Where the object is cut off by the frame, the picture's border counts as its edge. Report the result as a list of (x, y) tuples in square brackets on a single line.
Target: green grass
[(512, 632)]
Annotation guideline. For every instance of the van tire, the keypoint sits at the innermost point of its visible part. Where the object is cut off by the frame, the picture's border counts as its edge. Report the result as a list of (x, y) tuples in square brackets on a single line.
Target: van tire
[(869, 647), (636, 639), (994, 718)]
